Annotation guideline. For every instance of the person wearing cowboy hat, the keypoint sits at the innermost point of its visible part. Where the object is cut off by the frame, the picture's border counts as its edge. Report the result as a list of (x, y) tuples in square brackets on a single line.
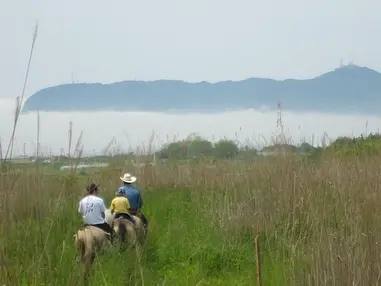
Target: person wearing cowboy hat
[(133, 195), (92, 208)]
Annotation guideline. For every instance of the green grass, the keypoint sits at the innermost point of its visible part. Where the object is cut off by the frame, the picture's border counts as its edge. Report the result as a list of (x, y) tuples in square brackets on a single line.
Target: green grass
[(185, 247)]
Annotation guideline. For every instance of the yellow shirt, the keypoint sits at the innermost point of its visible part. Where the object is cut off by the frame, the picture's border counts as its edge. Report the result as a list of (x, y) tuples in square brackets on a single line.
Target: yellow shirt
[(120, 205)]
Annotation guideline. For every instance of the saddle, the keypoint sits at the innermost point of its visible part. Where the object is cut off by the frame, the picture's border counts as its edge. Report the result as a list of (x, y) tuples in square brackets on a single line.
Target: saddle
[(126, 217), (84, 226), (108, 235)]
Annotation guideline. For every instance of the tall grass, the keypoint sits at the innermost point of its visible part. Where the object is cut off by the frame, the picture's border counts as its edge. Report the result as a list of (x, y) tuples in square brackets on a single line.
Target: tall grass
[(319, 224)]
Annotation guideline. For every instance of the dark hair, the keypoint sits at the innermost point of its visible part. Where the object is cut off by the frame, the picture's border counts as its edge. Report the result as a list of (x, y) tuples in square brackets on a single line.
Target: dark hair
[(91, 188)]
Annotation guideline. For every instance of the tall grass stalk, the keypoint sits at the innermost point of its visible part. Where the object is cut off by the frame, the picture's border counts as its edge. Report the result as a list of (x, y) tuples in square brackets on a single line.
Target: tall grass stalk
[(19, 101)]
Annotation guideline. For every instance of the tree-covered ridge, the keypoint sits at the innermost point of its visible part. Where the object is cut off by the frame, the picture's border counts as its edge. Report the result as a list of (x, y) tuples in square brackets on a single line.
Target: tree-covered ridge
[(343, 90)]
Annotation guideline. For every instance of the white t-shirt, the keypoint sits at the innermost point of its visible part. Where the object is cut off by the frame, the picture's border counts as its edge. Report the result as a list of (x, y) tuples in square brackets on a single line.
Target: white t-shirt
[(91, 208)]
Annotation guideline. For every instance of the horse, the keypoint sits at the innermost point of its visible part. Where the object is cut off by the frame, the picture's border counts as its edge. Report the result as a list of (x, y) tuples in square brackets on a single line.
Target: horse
[(88, 240), (126, 230)]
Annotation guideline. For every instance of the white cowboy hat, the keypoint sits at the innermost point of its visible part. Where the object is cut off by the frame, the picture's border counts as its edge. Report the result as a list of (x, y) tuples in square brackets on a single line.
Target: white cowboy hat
[(127, 178)]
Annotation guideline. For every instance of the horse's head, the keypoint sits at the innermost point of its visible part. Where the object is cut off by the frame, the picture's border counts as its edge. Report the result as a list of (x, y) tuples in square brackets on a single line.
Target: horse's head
[(109, 217)]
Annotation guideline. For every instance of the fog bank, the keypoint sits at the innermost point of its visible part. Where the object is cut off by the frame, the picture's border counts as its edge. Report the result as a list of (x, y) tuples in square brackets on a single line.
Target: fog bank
[(132, 129)]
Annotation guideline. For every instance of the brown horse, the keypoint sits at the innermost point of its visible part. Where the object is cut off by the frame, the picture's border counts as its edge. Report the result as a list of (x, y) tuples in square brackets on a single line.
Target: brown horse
[(129, 233), (88, 240)]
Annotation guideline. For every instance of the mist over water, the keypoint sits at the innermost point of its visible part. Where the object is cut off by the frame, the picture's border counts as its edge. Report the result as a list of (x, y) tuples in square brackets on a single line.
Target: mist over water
[(132, 129)]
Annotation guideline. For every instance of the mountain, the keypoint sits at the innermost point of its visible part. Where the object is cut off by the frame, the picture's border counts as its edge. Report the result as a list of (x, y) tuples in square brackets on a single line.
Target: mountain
[(348, 89)]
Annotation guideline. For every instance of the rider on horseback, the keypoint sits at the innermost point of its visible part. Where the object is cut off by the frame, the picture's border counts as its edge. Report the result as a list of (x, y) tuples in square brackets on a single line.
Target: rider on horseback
[(93, 208), (120, 206), (133, 195)]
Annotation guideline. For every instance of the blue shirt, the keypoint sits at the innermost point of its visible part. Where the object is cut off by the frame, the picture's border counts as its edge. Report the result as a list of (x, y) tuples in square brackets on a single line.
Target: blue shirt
[(133, 195)]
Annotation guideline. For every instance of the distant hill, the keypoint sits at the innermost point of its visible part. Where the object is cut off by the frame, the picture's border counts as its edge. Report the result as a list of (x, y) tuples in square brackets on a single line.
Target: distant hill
[(348, 89)]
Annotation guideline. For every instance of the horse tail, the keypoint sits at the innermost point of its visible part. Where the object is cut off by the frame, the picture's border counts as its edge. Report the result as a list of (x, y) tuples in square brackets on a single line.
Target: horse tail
[(84, 245), (80, 244), (122, 231)]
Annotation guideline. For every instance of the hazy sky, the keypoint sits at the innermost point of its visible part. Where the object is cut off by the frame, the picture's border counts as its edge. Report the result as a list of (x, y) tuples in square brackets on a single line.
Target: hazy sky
[(193, 40)]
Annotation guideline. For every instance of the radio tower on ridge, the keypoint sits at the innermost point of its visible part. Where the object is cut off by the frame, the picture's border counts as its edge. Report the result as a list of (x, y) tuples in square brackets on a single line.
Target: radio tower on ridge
[(279, 125)]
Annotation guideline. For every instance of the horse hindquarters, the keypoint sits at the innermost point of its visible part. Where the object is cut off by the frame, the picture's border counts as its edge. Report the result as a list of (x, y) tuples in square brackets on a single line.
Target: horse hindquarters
[(84, 241), (126, 232), (84, 248)]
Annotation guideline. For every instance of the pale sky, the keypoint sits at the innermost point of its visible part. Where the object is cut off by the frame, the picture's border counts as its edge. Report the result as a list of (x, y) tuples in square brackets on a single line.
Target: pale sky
[(191, 40)]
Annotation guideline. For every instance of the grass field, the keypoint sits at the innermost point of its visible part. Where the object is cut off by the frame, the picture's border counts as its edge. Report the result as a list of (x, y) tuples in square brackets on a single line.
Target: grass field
[(319, 223)]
